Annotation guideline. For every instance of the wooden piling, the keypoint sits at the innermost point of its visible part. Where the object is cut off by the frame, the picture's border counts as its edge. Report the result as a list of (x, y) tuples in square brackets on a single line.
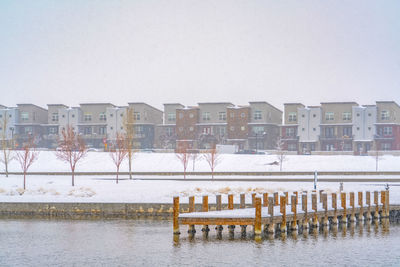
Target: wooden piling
[(315, 208), (271, 225), (257, 220), (265, 200), (242, 201), (304, 201), (387, 204), (297, 197), (324, 197), (294, 210), (191, 204), (176, 216), (283, 212), (376, 202), (276, 199), (286, 197), (383, 202), (219, 228), (334, 206), (205, 228), (230, 202), (320, 195), (368, 203), (192, 229), (353, 207), (361, 204), (344, 207)]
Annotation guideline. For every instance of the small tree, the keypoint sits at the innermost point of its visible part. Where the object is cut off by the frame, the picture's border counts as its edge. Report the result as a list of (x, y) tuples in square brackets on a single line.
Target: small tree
[(72, 149), (27, 156), (280, 152), (6, 143), (194, 156), (213, 159), (129, 127), (119, 152), (184, 156)]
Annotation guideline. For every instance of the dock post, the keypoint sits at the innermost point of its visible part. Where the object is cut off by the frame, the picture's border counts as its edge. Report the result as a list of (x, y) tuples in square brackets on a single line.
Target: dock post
[(205, 228), (294, 210), (176, 216), (276, 199), (353, 208), (230, 202), (271, 225), (344, 207), (253, 199), (265, 200), (219, 228), (192, 229), (286, 197), (334, 206), (242, 201), (257, 220), (383, 201), (283, 212), (387, 204), (361, 204), (304, 201), (325, 220), (368, 203), (315, 208), (320, 195), (376, 202)]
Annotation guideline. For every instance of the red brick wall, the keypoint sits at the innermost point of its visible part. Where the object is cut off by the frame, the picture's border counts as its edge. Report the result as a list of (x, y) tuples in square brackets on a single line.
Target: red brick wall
[(237, 122)]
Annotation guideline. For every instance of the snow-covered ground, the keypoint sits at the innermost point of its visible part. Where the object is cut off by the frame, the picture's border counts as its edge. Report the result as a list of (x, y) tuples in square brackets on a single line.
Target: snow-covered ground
[(104, 189), (101, 189), (160, 162)]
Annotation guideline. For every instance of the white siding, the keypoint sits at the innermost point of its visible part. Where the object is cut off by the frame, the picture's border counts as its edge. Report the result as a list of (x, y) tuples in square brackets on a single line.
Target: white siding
[(11, 121), (364, 119), (309, 119), (115, 121)]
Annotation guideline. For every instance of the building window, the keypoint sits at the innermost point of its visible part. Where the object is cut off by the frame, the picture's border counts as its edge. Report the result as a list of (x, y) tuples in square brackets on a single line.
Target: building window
[(358, 114), (292, 147), (87, 130), (136, 116), (386, 146), (28, 130), (102, 117), (181, 129), (329, 116), (171, 117), (180, 115), (384, 115), (53, 130), (346, 116), (191, 129), (206, 116), (347, 147), (222, 131), (292, 116), (314, 129), (24, 116), (290, 132), (73, 115), (222, 116), (207, 130), (243, 128), (87, 117), (387, 130), (232, 128), (102, 130), (303, 129), (369, 114), (302, 115), (257, 115), (369, 128), (54, 117), (243, 115), (329, 132), (139, 129), (232, 115), (258, 129), (191, 115), (169, 131), (347, 131), (314, 115), (111, 115)]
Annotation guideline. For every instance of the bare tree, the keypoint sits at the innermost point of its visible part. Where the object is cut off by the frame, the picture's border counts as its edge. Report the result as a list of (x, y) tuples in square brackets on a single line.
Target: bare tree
[(184, 156), (72, 149), (6, 143), (119, 152), (194, 156), (27, 156), (129, 127), (213, 159), (280, 152)]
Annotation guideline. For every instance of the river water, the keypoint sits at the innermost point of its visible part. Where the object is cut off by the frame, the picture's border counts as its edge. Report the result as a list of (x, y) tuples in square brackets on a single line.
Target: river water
[(150, 243)]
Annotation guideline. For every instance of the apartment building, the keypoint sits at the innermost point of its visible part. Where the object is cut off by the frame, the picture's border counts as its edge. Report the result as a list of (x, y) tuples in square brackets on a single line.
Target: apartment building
[(364, 128), (309, 120), (165, 133), (186, 127), (264, 125), (30, 123), (387, 135), (9, 117), (289, 129), (51, 129)]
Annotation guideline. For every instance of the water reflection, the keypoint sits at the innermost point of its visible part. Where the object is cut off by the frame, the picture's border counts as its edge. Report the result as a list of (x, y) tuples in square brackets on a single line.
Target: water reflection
[(148, 243)]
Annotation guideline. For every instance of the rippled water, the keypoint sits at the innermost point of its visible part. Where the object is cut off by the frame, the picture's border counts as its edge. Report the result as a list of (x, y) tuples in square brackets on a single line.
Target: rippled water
[(150, 243)]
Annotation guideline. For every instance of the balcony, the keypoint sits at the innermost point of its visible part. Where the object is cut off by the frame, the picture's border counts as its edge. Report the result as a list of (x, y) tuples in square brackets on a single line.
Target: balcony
[(335, 137), (384, 137)]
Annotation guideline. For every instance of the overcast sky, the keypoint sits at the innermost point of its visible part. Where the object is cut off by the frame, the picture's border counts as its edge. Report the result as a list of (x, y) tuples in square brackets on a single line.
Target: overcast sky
[(186, 51)]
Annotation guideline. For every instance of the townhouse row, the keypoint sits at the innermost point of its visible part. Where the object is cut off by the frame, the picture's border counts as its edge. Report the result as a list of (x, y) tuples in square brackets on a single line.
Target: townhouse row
[(333, 126)]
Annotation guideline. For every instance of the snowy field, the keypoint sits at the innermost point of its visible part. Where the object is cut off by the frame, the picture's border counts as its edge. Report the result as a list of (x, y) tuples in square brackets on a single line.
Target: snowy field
[(160, 162), (100, 189), (104, 189)]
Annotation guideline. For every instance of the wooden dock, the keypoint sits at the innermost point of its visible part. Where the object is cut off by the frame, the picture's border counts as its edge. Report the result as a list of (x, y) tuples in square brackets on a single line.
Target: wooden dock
[(279, 212)]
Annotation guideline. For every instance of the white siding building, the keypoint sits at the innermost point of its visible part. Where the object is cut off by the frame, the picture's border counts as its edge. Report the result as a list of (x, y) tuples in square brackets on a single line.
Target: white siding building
[(364, 119), (309, 120)]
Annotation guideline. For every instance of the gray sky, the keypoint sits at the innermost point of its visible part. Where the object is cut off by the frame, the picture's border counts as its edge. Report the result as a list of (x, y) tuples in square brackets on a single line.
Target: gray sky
[(199, 51)]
